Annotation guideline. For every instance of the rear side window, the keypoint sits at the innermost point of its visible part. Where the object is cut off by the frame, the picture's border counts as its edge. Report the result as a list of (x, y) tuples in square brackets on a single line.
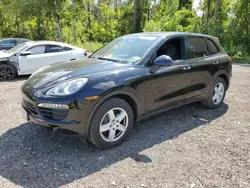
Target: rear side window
[(66, 48), (197, 47), (8, 42), (54, 49), (213, 48)]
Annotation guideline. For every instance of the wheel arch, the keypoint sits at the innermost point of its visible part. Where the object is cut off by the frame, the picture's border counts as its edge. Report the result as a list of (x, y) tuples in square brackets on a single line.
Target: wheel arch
[(131, 101), (6, 62), (223, 74), (124, 95), (224, 77)]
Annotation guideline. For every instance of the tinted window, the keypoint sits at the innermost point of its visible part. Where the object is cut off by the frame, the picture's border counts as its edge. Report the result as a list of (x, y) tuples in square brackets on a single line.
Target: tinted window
[(198, 47), (67, 48), (54, 49), (213, 48), (172, 48), (37, 50), (8, 42)]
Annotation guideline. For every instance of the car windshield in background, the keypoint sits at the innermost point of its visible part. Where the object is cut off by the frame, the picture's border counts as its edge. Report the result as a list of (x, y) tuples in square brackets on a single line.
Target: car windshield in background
[(17, 49), (126, 49)]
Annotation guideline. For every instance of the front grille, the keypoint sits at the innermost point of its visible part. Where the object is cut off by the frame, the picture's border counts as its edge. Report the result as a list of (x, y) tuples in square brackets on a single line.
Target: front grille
[(53, 114), (30, 107)]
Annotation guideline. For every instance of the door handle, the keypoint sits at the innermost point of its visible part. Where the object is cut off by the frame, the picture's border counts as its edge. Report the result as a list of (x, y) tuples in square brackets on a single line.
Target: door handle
[(216, 63), (186, 68)]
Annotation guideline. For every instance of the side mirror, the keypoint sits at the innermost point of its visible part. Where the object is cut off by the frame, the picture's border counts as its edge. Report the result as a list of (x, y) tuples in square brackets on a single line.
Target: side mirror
[(26, 53), (162, 60)]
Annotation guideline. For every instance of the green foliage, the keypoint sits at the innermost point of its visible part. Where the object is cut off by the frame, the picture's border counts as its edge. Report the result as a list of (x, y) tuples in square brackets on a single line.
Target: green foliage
[(91, 23), (241, 59), (182, 21), (89, 46)]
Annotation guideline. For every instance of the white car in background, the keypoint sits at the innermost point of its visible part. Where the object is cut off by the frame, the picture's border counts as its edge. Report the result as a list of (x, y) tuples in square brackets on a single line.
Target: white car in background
[(28, 57)]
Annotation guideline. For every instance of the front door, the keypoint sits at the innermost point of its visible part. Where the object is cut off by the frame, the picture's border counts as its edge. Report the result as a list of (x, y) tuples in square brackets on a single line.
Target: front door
[(169, 85), (30, 63)]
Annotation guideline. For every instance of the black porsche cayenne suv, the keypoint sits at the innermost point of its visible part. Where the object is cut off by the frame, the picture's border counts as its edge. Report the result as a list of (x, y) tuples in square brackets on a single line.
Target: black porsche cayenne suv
[(133, 77)]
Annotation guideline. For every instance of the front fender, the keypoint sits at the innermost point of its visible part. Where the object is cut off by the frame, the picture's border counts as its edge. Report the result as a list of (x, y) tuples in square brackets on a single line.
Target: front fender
[(124, 91), (7, 61)]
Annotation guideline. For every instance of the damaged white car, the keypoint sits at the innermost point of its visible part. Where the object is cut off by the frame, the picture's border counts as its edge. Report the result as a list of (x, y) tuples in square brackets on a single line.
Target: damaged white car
[(28, 57)]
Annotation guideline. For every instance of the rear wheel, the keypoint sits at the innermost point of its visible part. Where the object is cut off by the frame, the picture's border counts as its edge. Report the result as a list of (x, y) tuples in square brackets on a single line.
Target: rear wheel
[(111, 123), (7, 72), (216, 94)]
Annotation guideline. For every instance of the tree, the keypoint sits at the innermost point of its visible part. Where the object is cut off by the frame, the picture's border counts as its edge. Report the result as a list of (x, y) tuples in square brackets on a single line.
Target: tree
[(100, 21)]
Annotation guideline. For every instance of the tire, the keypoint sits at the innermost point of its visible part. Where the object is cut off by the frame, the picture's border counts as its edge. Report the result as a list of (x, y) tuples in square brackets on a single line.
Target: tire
[(7, 72), (211, 101), (111, 134)]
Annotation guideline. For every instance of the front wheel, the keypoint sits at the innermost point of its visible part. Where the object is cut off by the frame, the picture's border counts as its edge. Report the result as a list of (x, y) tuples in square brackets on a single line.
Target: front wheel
[(7, 72), (216, 94), (111, 123)]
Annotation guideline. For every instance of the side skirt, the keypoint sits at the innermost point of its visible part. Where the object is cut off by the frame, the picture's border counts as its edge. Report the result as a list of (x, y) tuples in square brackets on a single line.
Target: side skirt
[(169, 108)]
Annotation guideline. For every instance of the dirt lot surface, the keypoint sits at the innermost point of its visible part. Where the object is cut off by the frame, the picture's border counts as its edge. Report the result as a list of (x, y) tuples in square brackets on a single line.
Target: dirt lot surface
[(186, 147)]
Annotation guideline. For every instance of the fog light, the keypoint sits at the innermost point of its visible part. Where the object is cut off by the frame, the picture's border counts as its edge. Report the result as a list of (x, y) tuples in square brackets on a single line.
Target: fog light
[(54, 106)]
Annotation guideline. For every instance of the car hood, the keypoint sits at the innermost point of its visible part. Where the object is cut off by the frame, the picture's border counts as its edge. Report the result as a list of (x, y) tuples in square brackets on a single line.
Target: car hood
[(88, 68), (4, 55)]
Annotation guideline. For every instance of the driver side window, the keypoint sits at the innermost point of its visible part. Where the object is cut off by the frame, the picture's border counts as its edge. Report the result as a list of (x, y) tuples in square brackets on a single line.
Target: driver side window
[(37, 50), (172, 48)]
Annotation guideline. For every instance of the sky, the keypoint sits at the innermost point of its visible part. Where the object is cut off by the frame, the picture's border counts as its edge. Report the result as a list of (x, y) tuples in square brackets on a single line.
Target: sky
[(195, 3), (195, 6)]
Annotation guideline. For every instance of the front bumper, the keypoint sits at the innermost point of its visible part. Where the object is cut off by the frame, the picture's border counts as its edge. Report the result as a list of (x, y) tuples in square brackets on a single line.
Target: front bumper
[(74, 120), (63, 124)]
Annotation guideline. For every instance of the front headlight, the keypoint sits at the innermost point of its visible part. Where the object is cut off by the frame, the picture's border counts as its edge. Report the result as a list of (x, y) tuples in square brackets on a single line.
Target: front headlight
[(67, 88)]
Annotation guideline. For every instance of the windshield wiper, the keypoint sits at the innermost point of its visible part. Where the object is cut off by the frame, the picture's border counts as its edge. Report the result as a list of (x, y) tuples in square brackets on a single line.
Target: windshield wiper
[(109, 59)]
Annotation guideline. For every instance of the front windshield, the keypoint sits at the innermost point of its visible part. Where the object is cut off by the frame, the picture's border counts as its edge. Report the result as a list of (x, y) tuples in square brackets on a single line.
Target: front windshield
[(17, 49), (128, 49)]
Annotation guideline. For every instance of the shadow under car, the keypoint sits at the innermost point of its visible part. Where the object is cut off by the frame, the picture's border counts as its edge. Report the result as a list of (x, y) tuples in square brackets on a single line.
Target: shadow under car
[(32, 156)]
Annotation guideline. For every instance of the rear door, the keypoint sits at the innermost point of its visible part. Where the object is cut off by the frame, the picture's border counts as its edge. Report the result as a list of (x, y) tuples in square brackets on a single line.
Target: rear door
[(57, 54), (214, 53), (203, 64)]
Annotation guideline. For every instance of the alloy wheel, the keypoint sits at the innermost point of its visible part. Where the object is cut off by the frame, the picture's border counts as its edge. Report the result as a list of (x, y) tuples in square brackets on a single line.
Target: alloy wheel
[(114, 124), (218, 93), (6, 73)]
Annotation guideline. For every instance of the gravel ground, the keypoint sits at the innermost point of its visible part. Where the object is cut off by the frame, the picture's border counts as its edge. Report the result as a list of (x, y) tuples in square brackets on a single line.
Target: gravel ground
[(186, 147)]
